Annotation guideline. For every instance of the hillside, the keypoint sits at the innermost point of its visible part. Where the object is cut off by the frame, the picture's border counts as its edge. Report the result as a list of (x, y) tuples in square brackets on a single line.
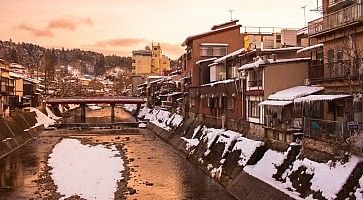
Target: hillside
[(88, 62)]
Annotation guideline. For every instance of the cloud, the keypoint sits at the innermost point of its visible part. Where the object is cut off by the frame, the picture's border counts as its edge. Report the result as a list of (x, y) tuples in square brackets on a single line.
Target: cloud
[(70, 24), (87, 21), (61, 23), (119, 42), (36, 32)]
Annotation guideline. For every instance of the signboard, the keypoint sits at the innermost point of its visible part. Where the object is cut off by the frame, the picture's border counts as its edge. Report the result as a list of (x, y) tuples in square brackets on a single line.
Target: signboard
[(353, 126)]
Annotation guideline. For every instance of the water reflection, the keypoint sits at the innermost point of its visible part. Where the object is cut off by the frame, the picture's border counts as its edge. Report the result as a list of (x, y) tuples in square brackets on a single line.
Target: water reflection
[(11, 173)]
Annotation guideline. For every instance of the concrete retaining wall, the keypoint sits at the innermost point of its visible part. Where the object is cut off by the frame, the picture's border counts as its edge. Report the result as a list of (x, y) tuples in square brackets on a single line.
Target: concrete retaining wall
[(233, 178), (17, 131)]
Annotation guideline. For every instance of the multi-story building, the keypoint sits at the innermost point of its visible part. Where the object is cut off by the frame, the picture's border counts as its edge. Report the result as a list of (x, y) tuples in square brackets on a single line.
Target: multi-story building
[(7, 99), (336, 51), (149, 61), (201, 49)]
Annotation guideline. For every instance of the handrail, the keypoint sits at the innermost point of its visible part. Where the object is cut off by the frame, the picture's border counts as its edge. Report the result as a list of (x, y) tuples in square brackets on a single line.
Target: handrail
[(336, 19)]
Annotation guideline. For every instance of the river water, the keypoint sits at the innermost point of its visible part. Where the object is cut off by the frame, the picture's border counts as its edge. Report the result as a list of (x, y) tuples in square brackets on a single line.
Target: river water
[(154, 169)]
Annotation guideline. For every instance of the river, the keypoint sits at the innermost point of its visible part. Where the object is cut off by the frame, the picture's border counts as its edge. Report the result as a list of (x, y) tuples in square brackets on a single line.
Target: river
[(150, 168)]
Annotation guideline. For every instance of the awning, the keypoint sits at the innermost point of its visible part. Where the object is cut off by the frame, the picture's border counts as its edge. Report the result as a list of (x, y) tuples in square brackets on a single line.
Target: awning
[(323, 97), (275, 103)]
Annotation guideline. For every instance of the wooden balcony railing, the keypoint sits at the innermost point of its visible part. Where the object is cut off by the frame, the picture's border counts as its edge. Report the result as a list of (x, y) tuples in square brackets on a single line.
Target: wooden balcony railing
[(340, 18)]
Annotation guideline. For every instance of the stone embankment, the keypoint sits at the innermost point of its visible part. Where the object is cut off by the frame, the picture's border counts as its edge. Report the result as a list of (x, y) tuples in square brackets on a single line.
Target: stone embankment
[(251, 169)]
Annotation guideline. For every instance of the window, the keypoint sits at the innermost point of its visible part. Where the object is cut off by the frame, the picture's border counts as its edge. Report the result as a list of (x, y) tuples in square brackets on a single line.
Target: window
[(255, 78), (231, 103), (206, 51), (339, 56), (330, 56), (254, 109)]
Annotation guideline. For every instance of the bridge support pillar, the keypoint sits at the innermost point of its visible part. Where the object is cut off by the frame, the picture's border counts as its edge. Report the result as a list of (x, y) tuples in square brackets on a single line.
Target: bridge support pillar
[(83, 112), (112, 113)]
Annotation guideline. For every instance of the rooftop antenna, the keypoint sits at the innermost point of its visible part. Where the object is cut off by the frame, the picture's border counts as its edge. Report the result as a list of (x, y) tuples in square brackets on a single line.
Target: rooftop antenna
[(231, 11), (304, 7)]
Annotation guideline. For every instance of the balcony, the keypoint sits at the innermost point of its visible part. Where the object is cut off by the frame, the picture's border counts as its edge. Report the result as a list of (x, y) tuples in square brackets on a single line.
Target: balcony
[(341, 18), (255, 83), (318, 71)]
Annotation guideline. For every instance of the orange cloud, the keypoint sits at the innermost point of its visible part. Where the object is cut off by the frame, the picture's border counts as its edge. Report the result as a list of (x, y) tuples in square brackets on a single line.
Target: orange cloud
[(69, 24), (86, 21), (36, 32), (120, 42), (61, 23)]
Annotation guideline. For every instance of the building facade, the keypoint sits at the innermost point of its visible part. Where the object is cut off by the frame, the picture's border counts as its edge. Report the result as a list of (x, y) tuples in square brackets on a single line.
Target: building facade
[(149, 61)]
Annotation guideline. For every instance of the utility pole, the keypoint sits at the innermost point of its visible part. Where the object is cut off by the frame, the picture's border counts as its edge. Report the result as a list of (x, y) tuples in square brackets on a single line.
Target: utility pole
[(231, 11)]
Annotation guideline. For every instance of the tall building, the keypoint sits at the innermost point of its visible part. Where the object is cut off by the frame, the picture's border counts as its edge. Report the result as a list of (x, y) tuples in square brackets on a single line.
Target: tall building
[(149, 61)]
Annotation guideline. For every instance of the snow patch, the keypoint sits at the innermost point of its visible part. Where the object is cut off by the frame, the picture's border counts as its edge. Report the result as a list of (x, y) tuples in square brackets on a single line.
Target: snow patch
[(42, 118), (92, 172), (322, 172), (94, 107), (51, 114), (190, 143)]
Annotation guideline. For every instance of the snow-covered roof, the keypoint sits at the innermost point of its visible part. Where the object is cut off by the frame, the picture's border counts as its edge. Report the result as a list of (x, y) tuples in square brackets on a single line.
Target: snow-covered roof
[(156, 81), (205, 60), (282, 49), (260, 61), (15, 75), (295, 92), (16, 65), (323, 97), (310, 48), (31, 80), (154, 77), (219, 60), (275, 103), (214, 44), (303, 31), (175, 93), (252, 65), (212, 64), (219, 82)]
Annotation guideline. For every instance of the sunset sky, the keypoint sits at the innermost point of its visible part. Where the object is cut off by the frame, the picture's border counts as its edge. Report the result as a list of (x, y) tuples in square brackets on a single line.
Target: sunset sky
[(120, 26)]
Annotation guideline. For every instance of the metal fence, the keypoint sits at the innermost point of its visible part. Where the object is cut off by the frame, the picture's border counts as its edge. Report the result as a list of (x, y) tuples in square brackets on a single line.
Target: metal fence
[(318, 128)]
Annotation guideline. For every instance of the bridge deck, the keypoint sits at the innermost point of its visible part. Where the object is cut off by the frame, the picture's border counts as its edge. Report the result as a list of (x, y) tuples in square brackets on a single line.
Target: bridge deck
[(106, 100)]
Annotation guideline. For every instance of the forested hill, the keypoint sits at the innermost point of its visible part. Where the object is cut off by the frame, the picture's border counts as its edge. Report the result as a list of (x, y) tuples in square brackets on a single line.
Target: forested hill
[(32, 55)]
